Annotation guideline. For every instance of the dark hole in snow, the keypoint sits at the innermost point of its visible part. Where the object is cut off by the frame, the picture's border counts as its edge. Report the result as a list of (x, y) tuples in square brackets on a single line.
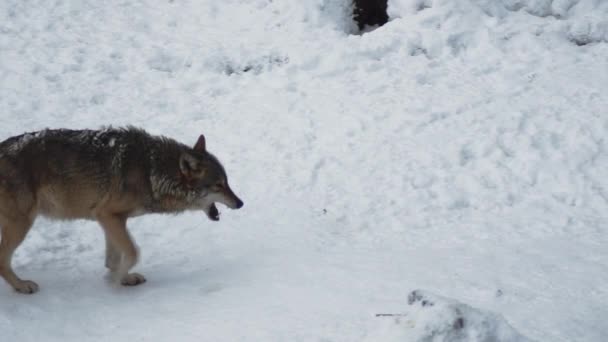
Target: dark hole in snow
[(370, 13)]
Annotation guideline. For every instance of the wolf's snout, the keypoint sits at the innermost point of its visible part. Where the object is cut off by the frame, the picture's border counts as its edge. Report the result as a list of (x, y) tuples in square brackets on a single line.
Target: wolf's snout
[(235, 202)]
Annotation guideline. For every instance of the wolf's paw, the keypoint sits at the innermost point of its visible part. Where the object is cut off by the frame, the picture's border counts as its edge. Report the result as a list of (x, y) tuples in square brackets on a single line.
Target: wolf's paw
[(26, 287), (132, 279)]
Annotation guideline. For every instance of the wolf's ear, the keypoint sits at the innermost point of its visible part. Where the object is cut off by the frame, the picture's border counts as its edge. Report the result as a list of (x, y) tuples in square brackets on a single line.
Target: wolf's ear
[(200, 144), (190, 166)]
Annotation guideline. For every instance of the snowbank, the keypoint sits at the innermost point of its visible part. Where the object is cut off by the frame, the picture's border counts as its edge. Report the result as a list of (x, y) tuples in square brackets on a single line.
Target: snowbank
[(432, 318)]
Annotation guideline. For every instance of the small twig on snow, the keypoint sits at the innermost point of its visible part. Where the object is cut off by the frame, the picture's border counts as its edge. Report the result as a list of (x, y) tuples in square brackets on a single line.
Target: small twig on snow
[(390, 315)]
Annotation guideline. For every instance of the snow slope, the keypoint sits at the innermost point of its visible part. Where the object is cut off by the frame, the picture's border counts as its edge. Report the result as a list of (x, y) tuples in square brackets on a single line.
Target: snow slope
[(460, 149)]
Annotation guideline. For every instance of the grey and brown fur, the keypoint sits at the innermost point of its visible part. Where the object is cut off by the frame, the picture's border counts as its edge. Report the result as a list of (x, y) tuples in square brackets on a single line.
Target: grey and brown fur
[(105, 175)]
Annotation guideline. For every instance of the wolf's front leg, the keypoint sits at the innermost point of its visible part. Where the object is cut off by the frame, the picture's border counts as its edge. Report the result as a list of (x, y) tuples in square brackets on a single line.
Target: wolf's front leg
[(121, 252), (112, 256)]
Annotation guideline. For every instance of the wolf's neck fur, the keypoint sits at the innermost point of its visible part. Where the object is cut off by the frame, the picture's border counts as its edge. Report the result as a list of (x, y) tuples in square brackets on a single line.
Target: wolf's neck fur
[(169, 193)]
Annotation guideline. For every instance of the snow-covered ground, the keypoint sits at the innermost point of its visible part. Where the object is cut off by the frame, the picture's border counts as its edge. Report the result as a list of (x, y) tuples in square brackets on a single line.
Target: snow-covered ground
[(459, 150)]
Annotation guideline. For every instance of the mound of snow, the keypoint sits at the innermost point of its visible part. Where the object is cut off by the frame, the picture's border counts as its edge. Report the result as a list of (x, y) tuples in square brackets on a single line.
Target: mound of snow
[(445, 27), (460, 147), (433, 318)]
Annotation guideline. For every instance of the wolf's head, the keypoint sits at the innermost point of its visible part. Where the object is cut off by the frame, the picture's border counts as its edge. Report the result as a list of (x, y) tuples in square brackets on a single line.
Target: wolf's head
[(204, 174)]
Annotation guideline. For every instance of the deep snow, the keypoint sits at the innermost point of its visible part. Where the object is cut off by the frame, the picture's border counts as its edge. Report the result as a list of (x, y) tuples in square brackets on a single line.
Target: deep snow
[(460, 149)]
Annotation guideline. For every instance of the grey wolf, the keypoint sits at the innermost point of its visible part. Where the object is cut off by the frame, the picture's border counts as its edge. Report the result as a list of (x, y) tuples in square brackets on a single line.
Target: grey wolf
[(106, 175)]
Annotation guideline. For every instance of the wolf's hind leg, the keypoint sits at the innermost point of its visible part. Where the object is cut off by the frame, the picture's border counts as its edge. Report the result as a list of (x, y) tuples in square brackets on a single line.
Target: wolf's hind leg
[(115, 228), (13, 233)]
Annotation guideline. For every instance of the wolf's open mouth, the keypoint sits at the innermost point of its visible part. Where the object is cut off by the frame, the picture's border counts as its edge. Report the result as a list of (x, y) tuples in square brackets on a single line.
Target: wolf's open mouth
[(213, 214)]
